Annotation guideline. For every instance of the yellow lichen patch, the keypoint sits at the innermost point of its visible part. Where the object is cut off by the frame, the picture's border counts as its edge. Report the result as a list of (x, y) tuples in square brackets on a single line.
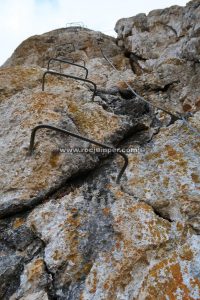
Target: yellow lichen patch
[(119, 194), (54, 159), (54, 81), (141, 206), (195, 178), (17, 78), (46, 215), (133, 159), (41, 106), (18, 222), (171, 167), (161, 161), (121, 274), (38, 178), (71, 236), (179, 226), (186, 253), (153, 155), (106, 211), (195, 284), (35, 270), (119, 61), (139, 224), (93, 282), (57, 255), (93, 120), (165, 280), (121, 84), (75, 222), (137, 181), (166, 181), (172, 152), (41, 102), (174, 61), (119, 278)]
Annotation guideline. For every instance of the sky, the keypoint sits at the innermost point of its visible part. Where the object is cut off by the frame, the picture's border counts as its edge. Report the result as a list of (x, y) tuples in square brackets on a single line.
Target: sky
[(20, 19)]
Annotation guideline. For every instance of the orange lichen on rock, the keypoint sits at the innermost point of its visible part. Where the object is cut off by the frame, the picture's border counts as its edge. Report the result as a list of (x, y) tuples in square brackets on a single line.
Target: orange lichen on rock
[(165, 279), (17, 78), (36, 269), (93, 120), (18, 222)]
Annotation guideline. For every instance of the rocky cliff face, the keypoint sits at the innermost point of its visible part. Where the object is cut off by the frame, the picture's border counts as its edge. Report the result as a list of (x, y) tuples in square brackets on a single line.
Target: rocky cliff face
[(68, 230)]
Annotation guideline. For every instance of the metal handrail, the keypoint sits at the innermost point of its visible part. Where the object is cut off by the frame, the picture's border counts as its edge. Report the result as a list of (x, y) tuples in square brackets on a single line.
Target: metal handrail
[(32, 139), (76, 24), (66, 58), (67, 62), (69, 76)]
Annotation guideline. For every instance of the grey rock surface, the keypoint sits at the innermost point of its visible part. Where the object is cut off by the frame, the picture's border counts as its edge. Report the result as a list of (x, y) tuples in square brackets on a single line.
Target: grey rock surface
[(67, 230), (163, 49)]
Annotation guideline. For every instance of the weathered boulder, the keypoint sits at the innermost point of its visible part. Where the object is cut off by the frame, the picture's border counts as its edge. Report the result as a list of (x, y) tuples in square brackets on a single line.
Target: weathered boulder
[(68, 231), (33, 281), (25, 179), (65, 42), (166, 175), (164, 52)]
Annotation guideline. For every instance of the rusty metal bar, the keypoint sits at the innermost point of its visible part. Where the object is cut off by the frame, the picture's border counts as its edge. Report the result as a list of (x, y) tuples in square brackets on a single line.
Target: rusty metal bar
[(33, 133), (67, 62), (69, 76), (64, 58)]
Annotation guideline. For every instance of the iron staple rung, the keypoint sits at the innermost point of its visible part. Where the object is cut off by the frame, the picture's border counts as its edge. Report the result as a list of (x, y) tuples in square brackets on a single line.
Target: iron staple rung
[(33, 133), (72, 59), (69, 76), (67, 62), (64, 58)]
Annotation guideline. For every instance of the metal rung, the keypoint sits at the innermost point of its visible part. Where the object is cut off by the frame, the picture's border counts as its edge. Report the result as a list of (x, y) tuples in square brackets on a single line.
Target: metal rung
[(69, 76), (66, 59), (33, 133), (67, 62)]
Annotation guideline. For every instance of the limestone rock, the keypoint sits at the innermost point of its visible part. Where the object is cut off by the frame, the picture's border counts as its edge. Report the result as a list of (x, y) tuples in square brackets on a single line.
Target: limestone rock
[(178, 272), (26, 179), (163, 49), (34, 280), (168, 173), (68, 230), (11, 266), (64, 42)]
